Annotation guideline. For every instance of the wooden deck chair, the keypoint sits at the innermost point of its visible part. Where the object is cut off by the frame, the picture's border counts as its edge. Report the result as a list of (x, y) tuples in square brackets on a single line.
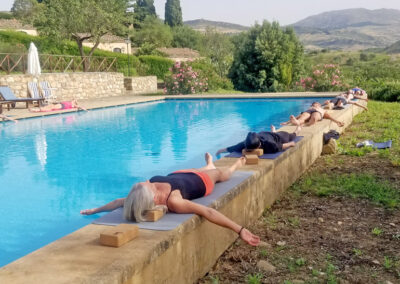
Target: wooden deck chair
[(7, 95)]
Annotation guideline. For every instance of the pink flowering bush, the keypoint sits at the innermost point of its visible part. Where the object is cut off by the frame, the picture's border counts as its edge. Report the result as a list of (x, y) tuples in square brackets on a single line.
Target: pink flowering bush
[(325, 77), (184, 80)]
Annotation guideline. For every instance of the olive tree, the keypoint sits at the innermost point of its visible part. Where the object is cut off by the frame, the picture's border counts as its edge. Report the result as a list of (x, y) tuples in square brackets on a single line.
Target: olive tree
[(267, 58), (82, 20)]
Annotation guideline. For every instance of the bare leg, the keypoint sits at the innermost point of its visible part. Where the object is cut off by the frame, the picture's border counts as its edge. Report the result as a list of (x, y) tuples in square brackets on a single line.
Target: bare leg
[(297, 130), (225, 173), (209, 163), (303, 118), (294, 120), (316, 116)]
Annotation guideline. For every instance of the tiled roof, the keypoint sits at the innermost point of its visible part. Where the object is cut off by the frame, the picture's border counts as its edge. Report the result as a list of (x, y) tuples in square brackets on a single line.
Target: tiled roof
[(108, 38)]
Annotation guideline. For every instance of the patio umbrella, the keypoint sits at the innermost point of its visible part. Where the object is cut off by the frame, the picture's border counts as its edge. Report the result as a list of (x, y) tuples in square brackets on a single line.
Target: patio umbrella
[(33, 61)]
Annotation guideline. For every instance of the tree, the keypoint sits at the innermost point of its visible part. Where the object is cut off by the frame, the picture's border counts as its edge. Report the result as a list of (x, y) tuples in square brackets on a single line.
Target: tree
[(26, 10), (81, 20), (185, 36), (267, 58), (219, 48), (153, 32), (143, 9), (173, 13)]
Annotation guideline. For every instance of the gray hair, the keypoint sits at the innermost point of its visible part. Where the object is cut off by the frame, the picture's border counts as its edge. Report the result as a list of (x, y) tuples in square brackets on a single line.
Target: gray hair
[(139, 200)]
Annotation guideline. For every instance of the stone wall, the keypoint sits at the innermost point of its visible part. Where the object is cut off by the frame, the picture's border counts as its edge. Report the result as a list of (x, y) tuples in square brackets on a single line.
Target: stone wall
[(70, 85), (141, 85), (82, 85)]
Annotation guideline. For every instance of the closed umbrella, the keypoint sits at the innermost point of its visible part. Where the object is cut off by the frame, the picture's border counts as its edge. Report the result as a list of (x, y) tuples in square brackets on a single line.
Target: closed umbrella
[(33, 61)]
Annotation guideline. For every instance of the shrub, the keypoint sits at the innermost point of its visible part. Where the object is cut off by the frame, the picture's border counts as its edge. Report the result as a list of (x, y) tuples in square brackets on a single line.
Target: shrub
[(327, 77), (267, 58), (154, 65), (215, 82), (386, 91), (149, 49), (184, 80)]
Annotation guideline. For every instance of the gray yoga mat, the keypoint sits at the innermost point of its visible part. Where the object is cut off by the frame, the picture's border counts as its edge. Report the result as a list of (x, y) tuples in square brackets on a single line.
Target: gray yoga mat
[(265, 156), (172, 220)]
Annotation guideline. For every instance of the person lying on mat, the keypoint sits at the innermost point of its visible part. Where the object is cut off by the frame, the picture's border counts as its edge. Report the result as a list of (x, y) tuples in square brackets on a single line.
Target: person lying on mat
[(58, 106), (269, 141), (175, 192), (340, 101), (311, 116), (359, 93)]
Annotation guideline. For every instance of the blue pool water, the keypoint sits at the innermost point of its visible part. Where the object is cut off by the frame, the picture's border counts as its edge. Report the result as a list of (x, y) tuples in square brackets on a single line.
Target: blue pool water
[(52, 167)]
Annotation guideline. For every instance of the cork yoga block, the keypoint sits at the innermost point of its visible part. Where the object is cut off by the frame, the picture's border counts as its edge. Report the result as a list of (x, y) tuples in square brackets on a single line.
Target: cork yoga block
[(251, 159), (119, 235), (154, 215), (258, 152)]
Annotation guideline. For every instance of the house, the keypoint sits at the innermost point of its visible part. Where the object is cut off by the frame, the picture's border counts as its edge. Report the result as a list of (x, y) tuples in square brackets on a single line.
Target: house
[(112, 43)]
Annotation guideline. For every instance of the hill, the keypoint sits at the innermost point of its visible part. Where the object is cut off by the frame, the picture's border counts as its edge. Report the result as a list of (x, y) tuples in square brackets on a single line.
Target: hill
[(350, 29), (223, 27), (394, 48)]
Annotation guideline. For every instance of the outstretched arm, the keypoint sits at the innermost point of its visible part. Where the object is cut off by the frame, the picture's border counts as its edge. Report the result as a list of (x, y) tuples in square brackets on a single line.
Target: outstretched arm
[(328, 116), (288, 145), (108, 207), (357, 104), (361, 98), (4, 117), (180, 205)]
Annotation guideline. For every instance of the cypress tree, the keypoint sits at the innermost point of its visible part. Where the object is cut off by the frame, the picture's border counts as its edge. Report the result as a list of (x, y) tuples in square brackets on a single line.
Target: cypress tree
[(143, 9), (173, 13)]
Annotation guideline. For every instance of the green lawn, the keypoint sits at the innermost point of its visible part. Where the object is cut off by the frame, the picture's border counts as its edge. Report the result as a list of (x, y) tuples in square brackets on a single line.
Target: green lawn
[(380, 123)]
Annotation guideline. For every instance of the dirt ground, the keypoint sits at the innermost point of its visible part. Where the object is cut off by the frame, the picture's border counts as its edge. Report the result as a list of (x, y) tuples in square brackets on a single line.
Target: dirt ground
[(310, 239)]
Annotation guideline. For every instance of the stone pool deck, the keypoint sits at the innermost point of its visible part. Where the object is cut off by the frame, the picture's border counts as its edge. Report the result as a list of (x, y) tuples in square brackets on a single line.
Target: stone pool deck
[(186, 253)]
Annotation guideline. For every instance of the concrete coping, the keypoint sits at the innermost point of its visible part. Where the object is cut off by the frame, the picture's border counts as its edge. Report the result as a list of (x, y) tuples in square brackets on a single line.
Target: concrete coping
[(181, 255)]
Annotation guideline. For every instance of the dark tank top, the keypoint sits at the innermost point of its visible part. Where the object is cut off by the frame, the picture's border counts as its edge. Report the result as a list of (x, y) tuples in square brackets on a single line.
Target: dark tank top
[(190, 185)]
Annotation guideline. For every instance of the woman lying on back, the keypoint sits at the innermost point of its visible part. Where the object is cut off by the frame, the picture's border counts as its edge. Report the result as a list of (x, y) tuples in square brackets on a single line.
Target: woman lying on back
[(175, 191), (58, 106)]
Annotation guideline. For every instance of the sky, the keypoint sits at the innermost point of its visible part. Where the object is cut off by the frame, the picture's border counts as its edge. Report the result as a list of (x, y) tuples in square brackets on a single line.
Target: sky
[(248, 12)]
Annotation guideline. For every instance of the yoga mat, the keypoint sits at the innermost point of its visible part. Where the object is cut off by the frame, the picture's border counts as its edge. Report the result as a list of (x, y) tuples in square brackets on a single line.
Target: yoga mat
[(377, 145), (265, 156), (172, 220)]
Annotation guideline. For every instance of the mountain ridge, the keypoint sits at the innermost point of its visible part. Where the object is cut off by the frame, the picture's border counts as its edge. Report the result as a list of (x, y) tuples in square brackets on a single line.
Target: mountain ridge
[(348, 29)]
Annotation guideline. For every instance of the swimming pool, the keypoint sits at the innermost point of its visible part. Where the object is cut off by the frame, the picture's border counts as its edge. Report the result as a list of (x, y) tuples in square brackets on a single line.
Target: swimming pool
[(52, 167)]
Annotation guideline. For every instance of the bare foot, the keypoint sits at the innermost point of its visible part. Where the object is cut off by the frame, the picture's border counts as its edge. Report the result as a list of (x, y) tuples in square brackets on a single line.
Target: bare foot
[(241, 162), (285, 123), (294, 120), (209, 161), (273, 129), (87, 212)]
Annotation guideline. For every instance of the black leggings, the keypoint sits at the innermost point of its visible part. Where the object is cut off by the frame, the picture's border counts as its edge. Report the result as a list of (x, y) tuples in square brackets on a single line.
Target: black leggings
[(285, 136)]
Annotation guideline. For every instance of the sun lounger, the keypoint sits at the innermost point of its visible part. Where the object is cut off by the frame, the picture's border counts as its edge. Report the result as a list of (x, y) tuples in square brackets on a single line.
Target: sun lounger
[(7, 95), (34, 91), (47, 90)]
